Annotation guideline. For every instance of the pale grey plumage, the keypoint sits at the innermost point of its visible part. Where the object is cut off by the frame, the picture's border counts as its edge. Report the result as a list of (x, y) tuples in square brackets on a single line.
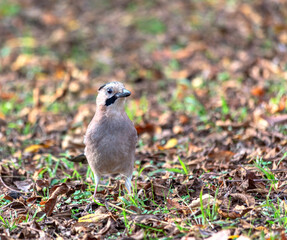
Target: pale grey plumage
[(111, 136)]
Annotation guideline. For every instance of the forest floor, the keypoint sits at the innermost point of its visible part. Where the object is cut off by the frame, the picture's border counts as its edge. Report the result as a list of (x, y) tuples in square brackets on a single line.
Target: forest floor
[(208, 83)]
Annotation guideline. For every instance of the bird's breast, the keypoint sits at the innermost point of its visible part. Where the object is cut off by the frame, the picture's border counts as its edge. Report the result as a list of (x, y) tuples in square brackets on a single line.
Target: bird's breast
[(110, 147)]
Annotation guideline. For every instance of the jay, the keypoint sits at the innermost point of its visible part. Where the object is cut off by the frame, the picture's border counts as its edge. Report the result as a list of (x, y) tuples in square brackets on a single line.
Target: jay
[(111, 137)]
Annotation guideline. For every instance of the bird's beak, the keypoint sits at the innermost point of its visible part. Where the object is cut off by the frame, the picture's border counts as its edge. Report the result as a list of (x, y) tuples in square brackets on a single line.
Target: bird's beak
[(124, 93)]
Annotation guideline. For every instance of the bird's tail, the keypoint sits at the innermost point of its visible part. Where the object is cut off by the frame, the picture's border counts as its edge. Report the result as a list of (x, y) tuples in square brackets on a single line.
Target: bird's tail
[(80, 158)]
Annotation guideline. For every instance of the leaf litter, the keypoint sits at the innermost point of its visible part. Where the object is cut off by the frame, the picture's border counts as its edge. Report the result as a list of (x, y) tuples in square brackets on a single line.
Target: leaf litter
[(208, 84)]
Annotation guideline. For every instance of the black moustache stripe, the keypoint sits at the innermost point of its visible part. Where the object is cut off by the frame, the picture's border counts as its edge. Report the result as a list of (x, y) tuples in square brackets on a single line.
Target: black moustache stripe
[(111, 100)]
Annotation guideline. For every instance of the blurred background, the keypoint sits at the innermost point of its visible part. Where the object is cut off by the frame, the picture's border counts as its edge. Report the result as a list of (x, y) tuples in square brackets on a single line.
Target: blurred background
[(208, 83), (191, 65)]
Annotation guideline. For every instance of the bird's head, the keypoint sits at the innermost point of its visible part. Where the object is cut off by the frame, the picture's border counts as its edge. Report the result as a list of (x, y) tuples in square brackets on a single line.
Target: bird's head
[(111, 96)]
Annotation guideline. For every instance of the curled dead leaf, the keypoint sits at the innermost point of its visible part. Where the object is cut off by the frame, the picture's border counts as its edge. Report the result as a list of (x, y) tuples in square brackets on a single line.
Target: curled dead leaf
[(231, 214), (234, 205), (25, 185), (207, 200), (56, 191), (41, 183)]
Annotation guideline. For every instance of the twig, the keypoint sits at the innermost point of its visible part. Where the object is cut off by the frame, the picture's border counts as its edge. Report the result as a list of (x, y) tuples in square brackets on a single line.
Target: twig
[(163, 222), (115, 206), (5, 185), (257, 180)]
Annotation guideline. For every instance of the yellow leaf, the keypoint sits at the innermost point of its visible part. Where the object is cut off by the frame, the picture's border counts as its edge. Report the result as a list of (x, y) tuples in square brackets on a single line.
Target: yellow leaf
[(27, 42), (233, 236), (284, 205), (21, 61), (262, 228), (33, 148), (93, 217), (2, 116), (171, 143)]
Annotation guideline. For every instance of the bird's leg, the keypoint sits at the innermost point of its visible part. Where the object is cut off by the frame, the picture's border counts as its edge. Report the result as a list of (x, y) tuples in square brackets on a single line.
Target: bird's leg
[(128, 183), (97, 180)]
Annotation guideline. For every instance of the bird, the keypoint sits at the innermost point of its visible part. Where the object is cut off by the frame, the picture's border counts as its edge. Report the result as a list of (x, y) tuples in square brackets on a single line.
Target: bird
[(110, 139)]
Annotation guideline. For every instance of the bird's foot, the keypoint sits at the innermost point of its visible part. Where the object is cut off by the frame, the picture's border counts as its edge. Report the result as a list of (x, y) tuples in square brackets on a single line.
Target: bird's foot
[(94, 200)]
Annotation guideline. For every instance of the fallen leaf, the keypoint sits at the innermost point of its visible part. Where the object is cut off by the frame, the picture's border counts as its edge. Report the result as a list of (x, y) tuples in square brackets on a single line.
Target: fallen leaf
[(222, 235), (33, 148), (233, 206), (7, 96), (272, 120), (93, 217), (160, 190), (171, 143), (41, 183), (206, 200), (25, 185), (36, 147), (224, 156), (146, 128), (262, 228), (258, 91), (99, 215), (55, 192)]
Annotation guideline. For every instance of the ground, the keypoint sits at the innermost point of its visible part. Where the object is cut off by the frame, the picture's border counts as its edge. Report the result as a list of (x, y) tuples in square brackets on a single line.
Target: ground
[(208, 83)]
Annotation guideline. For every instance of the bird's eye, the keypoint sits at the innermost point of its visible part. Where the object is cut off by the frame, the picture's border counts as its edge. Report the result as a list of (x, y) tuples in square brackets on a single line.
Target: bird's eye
[(109, 90)]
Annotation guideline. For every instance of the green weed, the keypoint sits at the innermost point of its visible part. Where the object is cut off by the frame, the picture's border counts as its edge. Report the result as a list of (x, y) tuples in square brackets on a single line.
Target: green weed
[(8, 8), (152, 26)]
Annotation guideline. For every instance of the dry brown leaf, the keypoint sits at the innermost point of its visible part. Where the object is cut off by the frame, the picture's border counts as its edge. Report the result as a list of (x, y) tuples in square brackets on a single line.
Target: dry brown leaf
[(229, 214), (49, 19), (183, 74), (233, 205), (262, 228), (207, 200), (177, 129), (258, 91), (181, 53), (171, 203), (183, 119), (21, 61), (25, 185), (146, 128), (224, 156), (58, 126), (222, 235), (160, 190), (7, 95), (60, 92), (55, 192), (41, 183), (272, 120)]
